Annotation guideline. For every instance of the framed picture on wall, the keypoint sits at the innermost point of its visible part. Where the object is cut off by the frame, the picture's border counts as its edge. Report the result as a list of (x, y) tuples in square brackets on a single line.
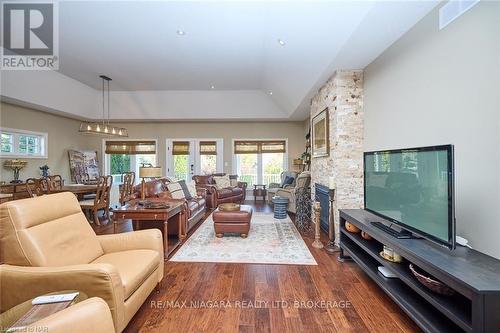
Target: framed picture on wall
[(320, 126)]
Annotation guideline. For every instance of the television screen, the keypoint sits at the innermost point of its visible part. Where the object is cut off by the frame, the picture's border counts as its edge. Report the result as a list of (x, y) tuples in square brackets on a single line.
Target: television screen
[(414, 188)]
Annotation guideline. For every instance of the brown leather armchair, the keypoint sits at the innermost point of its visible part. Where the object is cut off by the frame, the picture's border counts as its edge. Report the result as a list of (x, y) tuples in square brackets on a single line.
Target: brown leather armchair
[(90, 315), (195, 208), (47, 245), (217, 196)]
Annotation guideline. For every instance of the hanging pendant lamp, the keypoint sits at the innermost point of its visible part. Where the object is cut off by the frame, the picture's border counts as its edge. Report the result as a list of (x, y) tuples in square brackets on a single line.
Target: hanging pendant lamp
[(103, 127)]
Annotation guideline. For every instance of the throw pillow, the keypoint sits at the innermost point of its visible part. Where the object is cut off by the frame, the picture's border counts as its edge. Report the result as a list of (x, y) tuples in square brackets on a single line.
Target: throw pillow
[(234, 182), (222, 182), (287, 181), (192, 188), (179, 190)]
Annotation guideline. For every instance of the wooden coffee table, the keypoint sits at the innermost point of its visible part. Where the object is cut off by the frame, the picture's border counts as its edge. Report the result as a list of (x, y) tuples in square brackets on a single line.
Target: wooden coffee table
[(157, 217)]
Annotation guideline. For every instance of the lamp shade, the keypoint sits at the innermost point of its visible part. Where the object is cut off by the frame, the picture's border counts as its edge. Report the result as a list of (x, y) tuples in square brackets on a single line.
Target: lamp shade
[(150, 172)]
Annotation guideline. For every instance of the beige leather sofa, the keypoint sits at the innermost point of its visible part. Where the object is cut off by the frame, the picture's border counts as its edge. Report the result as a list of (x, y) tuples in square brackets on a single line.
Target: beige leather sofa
[(91, 315), (47, 245)]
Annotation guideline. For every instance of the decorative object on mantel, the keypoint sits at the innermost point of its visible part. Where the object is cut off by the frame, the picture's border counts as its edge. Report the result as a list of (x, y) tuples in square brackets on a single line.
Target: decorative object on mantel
[(103, 127), (15, 165), (317, 220), (229, 207), (320, 125), (45, 170), (430, 282), (331, 247)]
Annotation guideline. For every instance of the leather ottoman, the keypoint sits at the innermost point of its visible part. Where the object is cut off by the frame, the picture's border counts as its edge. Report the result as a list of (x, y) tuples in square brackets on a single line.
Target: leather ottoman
[(232, 221)]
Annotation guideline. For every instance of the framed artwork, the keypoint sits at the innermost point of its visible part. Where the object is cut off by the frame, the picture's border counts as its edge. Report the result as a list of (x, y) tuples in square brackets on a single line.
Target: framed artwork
[(320, 125), (83, 163)]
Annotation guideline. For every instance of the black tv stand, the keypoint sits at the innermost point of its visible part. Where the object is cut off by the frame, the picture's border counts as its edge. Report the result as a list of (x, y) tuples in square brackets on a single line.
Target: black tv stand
[(402, 234), (473, 275)]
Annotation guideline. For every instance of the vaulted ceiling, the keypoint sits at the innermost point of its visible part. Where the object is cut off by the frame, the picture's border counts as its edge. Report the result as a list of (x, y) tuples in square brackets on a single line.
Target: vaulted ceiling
[(208, 60)]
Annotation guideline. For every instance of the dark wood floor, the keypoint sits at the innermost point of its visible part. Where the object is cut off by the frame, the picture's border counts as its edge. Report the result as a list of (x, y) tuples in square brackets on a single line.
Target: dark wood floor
[(332, 296)]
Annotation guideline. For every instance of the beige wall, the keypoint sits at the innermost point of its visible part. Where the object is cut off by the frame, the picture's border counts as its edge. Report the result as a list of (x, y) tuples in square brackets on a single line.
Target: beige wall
[(63, 135), (437, 87)]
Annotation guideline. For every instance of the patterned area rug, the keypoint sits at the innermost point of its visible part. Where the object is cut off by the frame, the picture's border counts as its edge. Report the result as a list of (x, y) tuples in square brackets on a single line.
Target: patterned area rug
[(270, 241)]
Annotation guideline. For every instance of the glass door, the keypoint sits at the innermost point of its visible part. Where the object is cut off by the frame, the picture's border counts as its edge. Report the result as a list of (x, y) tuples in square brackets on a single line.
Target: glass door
[(189, 157)]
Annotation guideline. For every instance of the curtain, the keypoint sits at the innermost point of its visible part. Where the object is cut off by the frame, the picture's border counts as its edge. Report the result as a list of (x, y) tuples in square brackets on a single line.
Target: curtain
[(130, 147), (256, 147)]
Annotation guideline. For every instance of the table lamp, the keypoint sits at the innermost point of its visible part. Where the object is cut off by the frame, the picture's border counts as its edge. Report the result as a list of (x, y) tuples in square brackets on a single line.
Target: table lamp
[(148, 172)]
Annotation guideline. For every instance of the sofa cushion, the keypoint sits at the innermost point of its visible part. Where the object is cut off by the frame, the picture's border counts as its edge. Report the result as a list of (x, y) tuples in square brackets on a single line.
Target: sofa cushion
[(134, 267), (225, 193), (237, 191), (222, 181), (49, 230), (179, 190), (287, 181), (193, 206), (204, 180), (191, 186)]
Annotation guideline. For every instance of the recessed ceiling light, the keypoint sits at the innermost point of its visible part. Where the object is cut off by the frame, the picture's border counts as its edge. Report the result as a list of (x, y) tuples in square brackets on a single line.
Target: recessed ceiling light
[(281, 42), (181, 32), (212, 87), (270, 93)]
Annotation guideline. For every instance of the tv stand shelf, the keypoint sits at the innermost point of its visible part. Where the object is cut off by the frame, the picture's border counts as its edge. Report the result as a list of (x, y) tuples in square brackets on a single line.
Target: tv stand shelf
[(475, 277)]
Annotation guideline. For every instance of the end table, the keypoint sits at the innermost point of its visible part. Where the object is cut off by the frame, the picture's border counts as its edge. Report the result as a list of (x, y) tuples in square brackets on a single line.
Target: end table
[(259, 191)]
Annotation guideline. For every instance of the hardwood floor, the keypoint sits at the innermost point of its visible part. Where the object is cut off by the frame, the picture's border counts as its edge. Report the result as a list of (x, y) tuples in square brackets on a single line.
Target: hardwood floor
[(220, 297)]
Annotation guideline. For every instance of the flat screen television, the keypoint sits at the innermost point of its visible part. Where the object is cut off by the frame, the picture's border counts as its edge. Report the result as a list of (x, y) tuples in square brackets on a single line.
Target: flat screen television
[(414, 189)]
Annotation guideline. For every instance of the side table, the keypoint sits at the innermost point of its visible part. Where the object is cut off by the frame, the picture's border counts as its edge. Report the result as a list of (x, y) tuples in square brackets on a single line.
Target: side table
[(259, 191), (25, 313), (280, 207)]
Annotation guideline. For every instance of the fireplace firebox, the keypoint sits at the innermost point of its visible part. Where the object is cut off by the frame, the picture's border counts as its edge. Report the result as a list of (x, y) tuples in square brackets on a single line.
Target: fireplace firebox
[(321, 195)]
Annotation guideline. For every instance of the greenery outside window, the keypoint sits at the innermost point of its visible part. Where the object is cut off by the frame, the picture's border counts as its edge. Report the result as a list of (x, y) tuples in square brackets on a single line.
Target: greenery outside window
[(22, 144), (259, 162)]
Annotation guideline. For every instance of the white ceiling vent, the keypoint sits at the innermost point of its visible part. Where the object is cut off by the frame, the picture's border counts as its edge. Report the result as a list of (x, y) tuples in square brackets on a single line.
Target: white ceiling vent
[(453, 10)]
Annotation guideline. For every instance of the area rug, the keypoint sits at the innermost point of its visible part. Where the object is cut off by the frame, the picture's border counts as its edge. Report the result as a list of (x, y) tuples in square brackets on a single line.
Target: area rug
[(270, 241)]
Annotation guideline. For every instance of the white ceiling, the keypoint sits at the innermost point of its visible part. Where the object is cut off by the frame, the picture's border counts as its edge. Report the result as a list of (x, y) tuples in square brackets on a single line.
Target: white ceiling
[(230, 45)]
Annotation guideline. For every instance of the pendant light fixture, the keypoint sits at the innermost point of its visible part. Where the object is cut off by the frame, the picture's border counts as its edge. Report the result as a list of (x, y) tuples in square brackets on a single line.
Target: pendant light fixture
[(103, 128)]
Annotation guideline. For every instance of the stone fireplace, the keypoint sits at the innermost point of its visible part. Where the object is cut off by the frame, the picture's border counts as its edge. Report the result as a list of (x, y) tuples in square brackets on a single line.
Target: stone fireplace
[(342, 94)]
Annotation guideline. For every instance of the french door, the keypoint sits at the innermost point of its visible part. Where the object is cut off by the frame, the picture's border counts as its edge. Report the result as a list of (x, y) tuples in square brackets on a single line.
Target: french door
[(189, 157)]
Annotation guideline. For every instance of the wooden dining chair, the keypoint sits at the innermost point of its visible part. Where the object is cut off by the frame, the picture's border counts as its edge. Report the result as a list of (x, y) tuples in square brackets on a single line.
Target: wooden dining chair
[(37, 187), (101, 200), (127, 187), (55, 183)]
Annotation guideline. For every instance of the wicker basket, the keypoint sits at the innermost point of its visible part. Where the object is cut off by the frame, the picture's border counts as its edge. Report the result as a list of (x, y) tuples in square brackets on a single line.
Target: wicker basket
[(229, 207), (431, 283)]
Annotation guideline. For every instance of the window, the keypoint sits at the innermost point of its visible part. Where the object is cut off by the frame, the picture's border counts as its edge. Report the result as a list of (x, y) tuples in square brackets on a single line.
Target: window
[(260, 162), (125, 156), (20, 143), (208, 157), (180, 154)]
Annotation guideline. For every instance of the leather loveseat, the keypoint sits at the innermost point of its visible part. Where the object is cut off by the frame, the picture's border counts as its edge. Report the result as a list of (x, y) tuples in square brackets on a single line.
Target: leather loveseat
[(195, 208), (47, 245), (216, 196)]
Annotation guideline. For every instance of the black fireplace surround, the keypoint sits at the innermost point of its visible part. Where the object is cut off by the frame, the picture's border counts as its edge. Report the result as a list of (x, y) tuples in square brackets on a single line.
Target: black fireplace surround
[(321, 195)]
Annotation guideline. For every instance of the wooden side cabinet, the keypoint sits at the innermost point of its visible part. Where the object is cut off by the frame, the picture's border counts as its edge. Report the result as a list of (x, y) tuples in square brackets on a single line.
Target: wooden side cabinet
[(18, 191)]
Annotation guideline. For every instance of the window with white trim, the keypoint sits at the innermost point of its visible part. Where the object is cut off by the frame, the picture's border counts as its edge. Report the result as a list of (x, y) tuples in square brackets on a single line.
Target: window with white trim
[(259, 161), (22, 144)]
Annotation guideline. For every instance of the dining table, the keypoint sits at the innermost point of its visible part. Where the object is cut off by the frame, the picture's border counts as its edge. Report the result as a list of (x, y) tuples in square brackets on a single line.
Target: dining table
[(77, 189)]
